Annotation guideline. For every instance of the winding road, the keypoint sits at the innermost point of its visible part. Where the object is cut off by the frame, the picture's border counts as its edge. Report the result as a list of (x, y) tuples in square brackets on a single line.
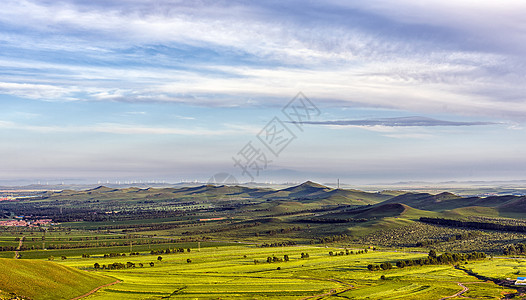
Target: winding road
[(464, 289)]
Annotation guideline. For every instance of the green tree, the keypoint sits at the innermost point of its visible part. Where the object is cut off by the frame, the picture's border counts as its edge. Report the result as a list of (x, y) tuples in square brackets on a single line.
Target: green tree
[(432, 254)]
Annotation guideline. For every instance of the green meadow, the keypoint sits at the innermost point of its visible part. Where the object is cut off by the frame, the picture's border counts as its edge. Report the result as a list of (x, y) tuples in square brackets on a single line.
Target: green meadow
[(229, 272)]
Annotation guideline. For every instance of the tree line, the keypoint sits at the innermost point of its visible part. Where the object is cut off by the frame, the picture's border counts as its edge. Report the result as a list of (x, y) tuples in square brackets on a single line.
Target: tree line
[(332, 220), (431, 259), (473, 224), (331, 239)]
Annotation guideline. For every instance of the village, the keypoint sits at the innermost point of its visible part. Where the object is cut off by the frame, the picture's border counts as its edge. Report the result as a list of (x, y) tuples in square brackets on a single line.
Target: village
[(20, 222)]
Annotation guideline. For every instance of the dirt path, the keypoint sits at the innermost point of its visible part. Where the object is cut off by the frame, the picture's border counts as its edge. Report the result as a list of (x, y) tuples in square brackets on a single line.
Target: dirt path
[(17, 255), (464, 289), (96, 289), (332, 291)]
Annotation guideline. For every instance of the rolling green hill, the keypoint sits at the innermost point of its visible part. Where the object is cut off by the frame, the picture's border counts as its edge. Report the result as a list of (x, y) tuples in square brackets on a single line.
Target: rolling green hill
[(428, 201), (45, 280), (309, 192), (306, 192), (448, 201), (387, 210)]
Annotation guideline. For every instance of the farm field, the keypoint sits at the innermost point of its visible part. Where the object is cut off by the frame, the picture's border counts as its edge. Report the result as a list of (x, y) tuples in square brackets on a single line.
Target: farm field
[(229, 272)]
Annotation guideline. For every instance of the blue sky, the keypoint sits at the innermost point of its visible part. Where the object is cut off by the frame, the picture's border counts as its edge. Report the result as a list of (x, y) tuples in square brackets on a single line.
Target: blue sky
[(175, 90)]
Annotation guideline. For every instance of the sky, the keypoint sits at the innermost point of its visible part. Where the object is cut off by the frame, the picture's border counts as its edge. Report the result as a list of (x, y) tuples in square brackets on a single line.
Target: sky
[(267, 91)]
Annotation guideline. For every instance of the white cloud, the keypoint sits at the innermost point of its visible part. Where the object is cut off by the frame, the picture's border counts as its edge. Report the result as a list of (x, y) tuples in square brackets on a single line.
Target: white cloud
[(37, 91), (130, 129)]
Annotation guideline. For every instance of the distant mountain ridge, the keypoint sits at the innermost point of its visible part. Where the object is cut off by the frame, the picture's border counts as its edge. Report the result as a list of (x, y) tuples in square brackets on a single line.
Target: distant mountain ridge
[(306, 193)]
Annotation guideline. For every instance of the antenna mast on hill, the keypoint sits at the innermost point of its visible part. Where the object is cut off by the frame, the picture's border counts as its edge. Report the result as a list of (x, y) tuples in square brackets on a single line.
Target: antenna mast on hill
[(338, 183)]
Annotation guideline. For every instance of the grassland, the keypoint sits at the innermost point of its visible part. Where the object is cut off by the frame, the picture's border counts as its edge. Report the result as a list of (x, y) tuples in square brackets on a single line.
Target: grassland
[(46, 280)]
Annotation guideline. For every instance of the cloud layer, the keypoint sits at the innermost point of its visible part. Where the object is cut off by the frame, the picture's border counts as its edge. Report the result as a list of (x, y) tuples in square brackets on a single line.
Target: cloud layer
[(434, 57)]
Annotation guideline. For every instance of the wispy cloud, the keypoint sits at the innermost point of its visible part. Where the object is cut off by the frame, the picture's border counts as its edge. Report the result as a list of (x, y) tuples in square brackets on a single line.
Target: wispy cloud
[(398, 122), (126, 129)]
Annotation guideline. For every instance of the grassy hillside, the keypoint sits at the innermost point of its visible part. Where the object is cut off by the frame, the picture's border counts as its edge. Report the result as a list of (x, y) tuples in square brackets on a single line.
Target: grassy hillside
[(45, 280)]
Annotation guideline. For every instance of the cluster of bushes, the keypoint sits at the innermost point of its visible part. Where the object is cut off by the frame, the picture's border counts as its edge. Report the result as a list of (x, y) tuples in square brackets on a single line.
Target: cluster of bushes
[(168, 251), (284, 230), (462, 236), (382, 266), (273, 259), (277, 259), (118, 266), (11, 248), (114, 255), (347, 252), (426, 243), (519, 248), (331, 239), (278, 244)]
